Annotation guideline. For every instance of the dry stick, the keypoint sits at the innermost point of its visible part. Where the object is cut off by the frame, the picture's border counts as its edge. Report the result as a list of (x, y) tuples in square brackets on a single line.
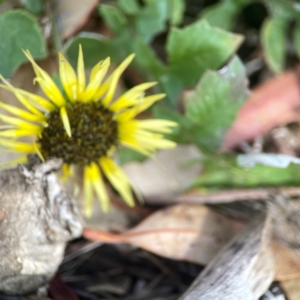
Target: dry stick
[(226, 196), (242, 270)]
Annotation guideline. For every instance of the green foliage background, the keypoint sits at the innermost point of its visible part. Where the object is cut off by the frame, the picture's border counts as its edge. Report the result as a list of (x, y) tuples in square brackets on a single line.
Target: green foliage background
[(199, 71)]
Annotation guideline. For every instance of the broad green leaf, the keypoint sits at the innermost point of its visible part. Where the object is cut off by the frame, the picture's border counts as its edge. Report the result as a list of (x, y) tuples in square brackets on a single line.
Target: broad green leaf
[(176, 11), (273, 35), (240, 3), (34, 6), (123, 44), (222, 15), (213, 105), (130, 7), (210, 109), (172, 86), (95, 48), (152, 18), (146, 59), (19, 30), (222, 171), (283, 9), (297, 39), (198, 47), (113, 17)]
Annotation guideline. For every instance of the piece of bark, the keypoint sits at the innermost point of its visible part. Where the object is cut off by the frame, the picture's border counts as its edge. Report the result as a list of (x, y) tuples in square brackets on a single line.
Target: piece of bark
[(243, 269), (224, 196), (285, 214), (37, 218), (291, 288)]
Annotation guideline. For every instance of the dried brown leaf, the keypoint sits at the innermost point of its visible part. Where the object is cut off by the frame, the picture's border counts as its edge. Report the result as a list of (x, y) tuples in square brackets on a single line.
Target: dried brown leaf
[(287, 262), (291, 288), (186, 232), (73, 15), (164, 175)]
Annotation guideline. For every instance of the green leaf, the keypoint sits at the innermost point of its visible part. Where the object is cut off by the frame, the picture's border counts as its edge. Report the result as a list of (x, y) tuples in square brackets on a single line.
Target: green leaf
[(213, 105), (176, 11), (113, 17), (297, 39), (221, 171), (273, 35), (19, 30), (127, 155), (283, 9), (222, 15), (95, 48), (152, 18), (34, 6), (198, 47), (130, 7), (145, 58), (172, 86), (123, 44)]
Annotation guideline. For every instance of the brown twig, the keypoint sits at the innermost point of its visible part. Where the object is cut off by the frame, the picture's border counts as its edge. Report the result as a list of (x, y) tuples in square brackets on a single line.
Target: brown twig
[(226, 196)]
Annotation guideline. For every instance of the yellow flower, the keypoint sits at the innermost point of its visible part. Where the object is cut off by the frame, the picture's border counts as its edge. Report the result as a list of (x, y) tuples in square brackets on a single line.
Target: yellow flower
[(84, 124)]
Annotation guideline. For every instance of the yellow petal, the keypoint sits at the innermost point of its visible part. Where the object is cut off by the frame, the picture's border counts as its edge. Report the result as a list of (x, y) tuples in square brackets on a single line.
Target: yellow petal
[(156, 125), (112, 81), (80, 73), (65, 120), (98, 186), (38, 152), (67, 172), (131, 97), (53, 93), (17, 161), (157, 143), (132, 144), (20, 97), (17, 146), (16, 133), (23, 114), (88, 192), (146, 102), (46, 83), (68, 78), (38, 101), (19, 123), (97, 75), (118, 179)]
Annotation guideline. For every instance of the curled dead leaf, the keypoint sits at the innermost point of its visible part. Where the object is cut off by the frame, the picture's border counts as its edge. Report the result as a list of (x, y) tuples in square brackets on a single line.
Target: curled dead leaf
[(188, 232)]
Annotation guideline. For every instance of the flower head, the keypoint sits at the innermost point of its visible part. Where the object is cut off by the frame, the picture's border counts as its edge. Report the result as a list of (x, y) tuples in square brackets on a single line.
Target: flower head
[(84, 124)]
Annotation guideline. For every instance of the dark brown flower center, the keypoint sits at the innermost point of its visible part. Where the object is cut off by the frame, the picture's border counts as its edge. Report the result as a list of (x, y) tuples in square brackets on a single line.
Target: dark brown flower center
[(94, 132)]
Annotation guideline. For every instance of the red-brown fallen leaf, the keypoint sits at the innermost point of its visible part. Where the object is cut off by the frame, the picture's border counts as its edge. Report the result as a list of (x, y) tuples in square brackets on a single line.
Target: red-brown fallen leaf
[(287, 262), (72, 15), (59, 290), (272, 104), (291, 288), (186, 232)]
